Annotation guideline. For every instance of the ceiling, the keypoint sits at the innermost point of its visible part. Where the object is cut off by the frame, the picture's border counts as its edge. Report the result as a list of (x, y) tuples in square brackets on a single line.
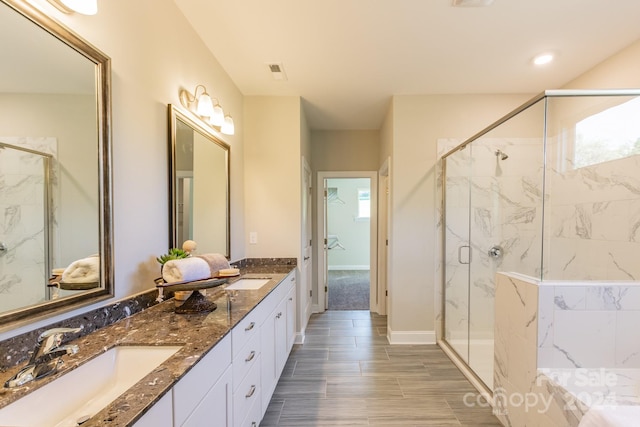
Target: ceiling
[(347, 58)]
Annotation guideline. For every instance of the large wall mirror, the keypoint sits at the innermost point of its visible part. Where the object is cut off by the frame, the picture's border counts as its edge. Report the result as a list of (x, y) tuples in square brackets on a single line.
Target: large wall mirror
[(199, 184), (55, 174)]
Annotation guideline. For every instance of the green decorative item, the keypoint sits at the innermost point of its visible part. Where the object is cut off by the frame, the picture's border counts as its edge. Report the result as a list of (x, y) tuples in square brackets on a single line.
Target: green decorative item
[(174, 253)]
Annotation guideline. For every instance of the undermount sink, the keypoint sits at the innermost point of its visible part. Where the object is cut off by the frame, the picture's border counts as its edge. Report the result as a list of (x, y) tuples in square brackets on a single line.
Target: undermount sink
[(86, 390), (247, 284)]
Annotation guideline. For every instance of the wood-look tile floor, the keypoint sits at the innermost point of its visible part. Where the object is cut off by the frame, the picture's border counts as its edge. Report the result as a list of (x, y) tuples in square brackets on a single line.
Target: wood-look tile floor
[(347, 374)]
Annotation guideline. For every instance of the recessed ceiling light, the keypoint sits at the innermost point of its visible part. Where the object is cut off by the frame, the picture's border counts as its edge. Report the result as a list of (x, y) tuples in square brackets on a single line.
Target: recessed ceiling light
[(543, 59), (471, 3)]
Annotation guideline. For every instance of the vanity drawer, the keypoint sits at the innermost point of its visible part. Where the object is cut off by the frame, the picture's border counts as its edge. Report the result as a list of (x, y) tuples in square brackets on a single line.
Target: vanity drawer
[(244, 361), (247, 394), (254, 416), (246, 329)]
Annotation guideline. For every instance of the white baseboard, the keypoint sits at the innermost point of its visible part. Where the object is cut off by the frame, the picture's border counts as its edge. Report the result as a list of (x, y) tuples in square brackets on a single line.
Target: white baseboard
[(300, 336), (349, 267), (411, 337)]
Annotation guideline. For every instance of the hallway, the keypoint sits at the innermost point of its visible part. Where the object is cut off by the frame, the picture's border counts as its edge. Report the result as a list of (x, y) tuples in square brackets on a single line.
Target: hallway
[(347, 374)]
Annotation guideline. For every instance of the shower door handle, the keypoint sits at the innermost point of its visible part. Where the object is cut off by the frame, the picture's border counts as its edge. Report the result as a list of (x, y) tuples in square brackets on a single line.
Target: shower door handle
[(468, 253)]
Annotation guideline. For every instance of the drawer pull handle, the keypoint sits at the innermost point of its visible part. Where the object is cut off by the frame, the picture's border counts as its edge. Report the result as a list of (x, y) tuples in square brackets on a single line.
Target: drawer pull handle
[(291, 299), (279, 315), (251, 391), (250, 327), (251, 356), (293, 278), (253, 424)]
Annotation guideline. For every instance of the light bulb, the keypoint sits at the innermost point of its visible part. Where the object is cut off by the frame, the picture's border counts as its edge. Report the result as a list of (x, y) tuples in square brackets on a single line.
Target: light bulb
[(205, 106), (217, 118), (228, 127)]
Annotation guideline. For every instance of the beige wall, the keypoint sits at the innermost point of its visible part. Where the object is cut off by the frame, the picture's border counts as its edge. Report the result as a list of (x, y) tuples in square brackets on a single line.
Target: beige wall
[(355, 150), (272, 175), (151, 60), (620, 71), (418, 122)]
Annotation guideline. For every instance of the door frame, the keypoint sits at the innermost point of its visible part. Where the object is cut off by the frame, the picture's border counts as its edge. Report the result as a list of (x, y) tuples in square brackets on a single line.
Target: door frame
[(322, 235)]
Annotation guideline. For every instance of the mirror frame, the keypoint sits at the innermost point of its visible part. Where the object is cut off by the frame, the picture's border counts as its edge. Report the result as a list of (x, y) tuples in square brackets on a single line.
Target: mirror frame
[(102, 63), (196, 124)]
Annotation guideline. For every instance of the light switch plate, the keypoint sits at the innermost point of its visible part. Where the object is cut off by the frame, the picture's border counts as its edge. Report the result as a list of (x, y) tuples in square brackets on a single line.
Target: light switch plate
[(253, 238)]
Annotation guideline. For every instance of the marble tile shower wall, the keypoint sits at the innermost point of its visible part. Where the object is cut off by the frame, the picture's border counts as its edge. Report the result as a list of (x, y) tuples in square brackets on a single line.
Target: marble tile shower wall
[(592, 218), (22, 220), (506, 210), (592, 325)]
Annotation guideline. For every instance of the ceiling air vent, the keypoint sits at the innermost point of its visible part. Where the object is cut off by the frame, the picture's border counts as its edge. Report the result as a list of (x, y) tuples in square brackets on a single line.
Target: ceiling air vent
[(277, 71), (472, 3)]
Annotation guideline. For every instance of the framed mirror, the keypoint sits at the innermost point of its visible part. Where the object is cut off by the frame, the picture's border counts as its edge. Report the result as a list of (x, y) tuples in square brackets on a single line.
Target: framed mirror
[(55, 168), (199, 184)]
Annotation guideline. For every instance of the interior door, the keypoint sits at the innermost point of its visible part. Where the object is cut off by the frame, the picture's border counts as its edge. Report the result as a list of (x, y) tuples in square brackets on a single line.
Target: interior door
[(325, 251), (306, 271)]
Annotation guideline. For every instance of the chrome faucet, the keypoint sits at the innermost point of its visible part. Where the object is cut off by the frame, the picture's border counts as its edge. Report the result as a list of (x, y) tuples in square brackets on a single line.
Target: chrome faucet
[(46, 357)]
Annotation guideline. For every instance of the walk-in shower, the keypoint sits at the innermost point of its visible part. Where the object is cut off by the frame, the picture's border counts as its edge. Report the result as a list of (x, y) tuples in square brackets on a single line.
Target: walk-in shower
[(25, 204), (564, 206)]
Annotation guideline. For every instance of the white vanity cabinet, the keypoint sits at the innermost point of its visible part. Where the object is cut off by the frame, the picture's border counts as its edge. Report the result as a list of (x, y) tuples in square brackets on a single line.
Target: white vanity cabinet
[(231, 386), (274, 334)]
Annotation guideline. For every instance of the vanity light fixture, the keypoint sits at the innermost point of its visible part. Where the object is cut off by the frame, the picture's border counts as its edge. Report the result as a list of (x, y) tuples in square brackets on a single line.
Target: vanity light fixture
[(84, 7), (208, 109), (228, 128)]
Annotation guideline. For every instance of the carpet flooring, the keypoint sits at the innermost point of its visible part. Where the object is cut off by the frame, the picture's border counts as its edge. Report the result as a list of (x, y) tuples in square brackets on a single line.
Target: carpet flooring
[(348, 289)]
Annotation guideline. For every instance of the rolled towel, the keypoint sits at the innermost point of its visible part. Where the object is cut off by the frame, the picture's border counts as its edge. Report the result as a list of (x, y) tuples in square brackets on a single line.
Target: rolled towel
[(85, 270), (215, 261), (185, 270)]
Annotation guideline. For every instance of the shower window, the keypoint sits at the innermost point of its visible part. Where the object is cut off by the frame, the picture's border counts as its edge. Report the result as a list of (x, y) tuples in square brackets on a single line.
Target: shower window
[(611, 134)]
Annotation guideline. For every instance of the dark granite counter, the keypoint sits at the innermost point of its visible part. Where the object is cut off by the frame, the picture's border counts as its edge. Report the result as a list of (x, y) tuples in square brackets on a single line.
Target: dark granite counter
[(159, 325)]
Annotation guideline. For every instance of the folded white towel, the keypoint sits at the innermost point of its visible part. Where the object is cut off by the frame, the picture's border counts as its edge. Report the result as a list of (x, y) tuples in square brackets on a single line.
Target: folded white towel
[(85, 270), (216, 262), (185, 270)]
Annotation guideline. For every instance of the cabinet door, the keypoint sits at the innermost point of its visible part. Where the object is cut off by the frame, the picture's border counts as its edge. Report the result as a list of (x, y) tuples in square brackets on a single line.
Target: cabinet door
[(197, 383), (291, 318), (268, 358), (160, 415), (216, 409), (281, 337)]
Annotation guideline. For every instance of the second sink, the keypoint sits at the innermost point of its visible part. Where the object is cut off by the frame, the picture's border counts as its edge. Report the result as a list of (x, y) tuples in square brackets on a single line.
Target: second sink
[(248, 284)]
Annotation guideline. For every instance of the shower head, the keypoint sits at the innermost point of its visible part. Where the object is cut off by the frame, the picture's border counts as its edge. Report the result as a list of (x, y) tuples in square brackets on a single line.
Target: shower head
[(502, 155)]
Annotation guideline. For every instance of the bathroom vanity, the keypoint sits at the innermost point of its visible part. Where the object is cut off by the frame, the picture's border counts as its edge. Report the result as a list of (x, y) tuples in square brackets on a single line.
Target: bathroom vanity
[(224, 372)]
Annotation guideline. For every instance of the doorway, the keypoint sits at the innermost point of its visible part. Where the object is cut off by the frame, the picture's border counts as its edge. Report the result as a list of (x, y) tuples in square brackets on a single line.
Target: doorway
[(348, 230)]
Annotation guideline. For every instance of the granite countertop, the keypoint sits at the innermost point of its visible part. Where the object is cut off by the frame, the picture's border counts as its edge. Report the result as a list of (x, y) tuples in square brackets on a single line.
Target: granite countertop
[(159, 326)]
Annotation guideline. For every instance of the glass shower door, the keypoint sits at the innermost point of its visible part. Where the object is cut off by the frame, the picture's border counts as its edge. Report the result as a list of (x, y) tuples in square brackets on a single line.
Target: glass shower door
[(457, 250)]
